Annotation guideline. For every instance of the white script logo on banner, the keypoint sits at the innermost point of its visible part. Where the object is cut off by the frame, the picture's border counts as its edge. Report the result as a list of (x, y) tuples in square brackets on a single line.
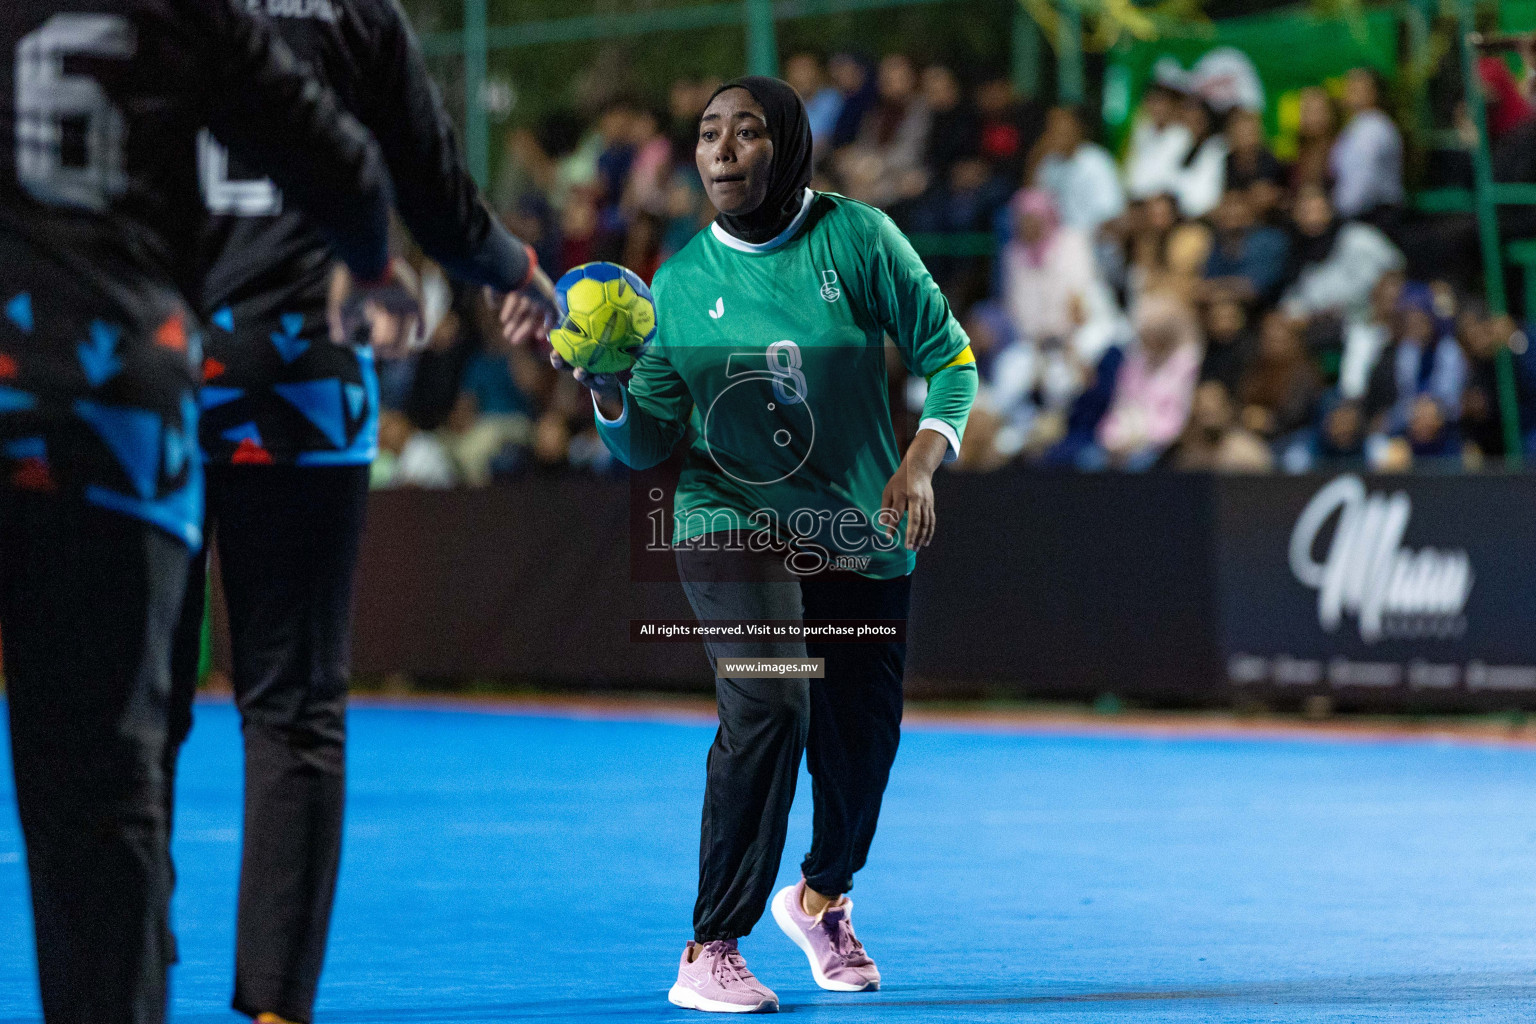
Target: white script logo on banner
[(1393, 591)]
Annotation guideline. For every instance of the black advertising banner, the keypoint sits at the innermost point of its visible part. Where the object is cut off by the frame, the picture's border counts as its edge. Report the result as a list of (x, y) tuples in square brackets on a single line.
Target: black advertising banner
[(1168, 588), (1387, 591)]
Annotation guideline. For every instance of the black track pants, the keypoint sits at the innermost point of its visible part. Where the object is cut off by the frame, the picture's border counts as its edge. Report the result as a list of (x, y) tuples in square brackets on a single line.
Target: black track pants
[(848, 724), (88, 603), (288, 540)]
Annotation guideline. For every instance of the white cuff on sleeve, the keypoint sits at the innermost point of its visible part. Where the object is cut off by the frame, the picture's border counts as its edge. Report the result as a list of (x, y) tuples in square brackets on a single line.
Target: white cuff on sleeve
[(948, 431), (623, 416)]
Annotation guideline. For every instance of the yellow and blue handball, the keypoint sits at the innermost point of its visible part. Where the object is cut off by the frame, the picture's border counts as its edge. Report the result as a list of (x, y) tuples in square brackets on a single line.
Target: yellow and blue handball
[(607, 317)]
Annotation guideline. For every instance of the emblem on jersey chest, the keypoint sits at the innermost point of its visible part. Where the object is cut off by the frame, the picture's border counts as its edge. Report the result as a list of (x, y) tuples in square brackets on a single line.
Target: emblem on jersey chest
[(829, 289)]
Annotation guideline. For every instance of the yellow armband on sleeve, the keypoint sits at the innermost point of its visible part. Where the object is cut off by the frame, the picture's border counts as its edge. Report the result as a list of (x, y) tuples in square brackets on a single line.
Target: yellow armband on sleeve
[(966, 356)]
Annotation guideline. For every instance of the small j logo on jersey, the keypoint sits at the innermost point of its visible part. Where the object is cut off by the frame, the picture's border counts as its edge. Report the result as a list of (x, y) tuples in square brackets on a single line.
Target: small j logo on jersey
[(829, 289), (719, 310)]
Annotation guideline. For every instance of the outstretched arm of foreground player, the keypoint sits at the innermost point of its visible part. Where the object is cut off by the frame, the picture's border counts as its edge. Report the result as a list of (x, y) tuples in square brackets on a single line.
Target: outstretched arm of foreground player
[(436, 197)]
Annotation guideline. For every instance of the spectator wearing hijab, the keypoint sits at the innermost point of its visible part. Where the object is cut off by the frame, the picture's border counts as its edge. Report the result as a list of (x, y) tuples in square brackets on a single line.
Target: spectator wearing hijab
[(1154, 389), (1229, 343), (1367, 158), (1429, 370), (1080, 175)]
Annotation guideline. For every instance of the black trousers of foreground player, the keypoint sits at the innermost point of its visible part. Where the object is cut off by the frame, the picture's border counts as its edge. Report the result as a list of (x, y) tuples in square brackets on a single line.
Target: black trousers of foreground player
[(88, 602), (288, 539), (847, 724)]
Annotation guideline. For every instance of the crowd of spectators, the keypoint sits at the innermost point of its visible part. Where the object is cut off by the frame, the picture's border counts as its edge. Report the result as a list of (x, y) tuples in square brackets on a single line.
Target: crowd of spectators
[(1197, 303)]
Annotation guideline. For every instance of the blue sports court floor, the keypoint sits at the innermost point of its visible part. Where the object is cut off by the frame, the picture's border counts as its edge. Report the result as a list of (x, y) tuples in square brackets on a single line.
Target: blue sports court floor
[(525, 866)]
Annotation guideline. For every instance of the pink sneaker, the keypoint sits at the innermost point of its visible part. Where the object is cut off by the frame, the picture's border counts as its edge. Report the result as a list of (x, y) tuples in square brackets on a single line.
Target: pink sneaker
[(838, 960), (719, 982)]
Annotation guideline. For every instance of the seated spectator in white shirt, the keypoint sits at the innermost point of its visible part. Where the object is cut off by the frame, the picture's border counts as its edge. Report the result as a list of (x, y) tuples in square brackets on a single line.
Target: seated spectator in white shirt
[(1202, 176), (1159, 143), (1367, 157), (1080, 175), (1333, 266)]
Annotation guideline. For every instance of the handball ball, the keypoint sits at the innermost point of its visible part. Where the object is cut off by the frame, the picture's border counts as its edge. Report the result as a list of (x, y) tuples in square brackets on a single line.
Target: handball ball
[(607, 317)]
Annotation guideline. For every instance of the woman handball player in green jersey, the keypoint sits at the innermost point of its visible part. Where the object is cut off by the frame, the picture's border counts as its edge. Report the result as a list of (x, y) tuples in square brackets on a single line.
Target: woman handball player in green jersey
[(769, 365)]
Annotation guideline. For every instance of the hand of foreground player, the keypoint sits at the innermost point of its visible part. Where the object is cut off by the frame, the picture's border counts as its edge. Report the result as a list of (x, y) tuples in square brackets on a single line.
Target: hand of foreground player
[(910, 491), (606, 386), (528, 314), (388, 309)]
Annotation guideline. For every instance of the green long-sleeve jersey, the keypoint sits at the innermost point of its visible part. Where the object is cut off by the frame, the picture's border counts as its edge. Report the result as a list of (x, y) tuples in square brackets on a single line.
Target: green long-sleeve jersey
[(769, 359)]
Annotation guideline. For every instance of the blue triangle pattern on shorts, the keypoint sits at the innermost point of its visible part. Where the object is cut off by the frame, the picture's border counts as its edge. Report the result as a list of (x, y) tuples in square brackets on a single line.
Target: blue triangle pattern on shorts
[(175, 451), (209, 397), (98, 357), (320, 402), (133, 435), (19, 311), (179, 513), (26, 448), (12, 400), (244, 432)]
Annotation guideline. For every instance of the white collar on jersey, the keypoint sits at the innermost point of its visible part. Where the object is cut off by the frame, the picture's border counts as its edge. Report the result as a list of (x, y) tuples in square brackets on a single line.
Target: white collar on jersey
[(724, 237)]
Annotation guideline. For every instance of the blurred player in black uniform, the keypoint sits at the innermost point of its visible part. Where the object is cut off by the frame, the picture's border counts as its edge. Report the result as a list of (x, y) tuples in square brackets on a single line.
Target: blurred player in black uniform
[(100, 484), (289, 426)]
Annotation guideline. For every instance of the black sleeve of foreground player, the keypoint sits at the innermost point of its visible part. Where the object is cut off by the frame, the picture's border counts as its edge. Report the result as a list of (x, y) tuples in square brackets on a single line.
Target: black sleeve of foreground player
[(434, 192)]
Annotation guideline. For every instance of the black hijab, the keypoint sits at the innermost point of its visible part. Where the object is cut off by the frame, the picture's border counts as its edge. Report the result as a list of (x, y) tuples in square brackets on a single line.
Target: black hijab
[(790, 172)]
